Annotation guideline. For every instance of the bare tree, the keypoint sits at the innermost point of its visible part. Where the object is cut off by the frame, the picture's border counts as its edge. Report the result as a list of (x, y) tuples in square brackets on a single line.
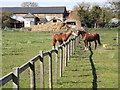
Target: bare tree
[(29, 4), (115, 7)]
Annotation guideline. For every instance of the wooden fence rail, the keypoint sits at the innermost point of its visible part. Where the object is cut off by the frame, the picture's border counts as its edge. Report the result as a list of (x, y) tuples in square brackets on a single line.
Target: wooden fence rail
[(65, 51)]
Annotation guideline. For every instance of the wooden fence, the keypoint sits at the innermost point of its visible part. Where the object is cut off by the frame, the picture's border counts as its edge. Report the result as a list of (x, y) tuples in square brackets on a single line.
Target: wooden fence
[(65, 51)]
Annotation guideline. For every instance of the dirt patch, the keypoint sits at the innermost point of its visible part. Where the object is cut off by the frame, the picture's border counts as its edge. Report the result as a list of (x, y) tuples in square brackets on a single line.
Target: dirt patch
[(58, 26)]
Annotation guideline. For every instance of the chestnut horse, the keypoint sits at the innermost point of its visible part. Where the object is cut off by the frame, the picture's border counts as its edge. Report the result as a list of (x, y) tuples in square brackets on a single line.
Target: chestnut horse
[(62, 37), (87, 37)]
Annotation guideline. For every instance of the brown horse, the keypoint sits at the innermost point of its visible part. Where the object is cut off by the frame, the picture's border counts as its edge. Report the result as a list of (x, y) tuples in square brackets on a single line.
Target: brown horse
[(62, 37), (87, 37)]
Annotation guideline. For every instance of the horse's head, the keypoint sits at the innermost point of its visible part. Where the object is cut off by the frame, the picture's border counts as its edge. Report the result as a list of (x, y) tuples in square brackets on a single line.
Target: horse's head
[(80, 32), (73, 33)]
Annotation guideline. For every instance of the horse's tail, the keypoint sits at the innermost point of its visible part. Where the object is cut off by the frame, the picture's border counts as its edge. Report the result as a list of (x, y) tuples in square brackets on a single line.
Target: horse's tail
[(99, 42)]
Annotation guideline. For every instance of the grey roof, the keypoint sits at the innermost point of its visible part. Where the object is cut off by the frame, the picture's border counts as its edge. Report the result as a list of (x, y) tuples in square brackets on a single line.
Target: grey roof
[(34, 10), (18, 18), (29, 15)]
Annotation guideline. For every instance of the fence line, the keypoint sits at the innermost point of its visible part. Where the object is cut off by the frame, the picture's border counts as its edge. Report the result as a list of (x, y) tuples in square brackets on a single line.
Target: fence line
[(42, 70), (66, 50)]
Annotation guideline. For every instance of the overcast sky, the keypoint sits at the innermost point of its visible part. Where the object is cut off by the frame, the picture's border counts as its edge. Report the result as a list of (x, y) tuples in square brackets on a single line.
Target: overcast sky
[(44, 3)]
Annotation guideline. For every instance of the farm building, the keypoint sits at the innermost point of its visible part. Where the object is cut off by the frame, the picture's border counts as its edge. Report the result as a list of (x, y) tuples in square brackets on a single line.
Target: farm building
[(72, 20), (114, 20), (37, 15)]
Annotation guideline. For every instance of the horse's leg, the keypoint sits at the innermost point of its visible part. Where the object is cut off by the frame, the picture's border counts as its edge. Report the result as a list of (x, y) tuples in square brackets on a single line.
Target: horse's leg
[(95, 44), (60, 42), (98, 39), (89, 44), (86, 44), (53, 43)]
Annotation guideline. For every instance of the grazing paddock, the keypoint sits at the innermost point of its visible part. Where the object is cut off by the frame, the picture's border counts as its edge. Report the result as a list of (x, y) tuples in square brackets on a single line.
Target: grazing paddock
[(97, 70), (20, 46), (34, 42)]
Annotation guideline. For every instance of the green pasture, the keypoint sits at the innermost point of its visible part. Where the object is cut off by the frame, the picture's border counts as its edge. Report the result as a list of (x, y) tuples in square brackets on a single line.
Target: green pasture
[(97, 70), (18, 47)]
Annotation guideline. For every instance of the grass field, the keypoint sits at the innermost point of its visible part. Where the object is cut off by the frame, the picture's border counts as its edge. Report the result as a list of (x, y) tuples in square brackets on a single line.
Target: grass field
[(97, 71), (20, 46)]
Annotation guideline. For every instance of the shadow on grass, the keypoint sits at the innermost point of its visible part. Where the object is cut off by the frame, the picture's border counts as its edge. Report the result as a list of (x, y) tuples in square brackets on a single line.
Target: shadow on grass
[(94, 83)]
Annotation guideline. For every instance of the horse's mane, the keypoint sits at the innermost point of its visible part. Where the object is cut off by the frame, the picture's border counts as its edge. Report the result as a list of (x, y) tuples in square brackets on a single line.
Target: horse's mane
[(61, 33), (83, 31)]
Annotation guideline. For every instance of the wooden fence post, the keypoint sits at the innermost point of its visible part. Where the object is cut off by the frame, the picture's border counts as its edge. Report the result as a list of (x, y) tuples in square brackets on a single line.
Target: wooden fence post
[(76, 41), (69, 50), (56, 66), (41, 70), (15, 78), (61, 61), (50, 71), (117, 37), (66, 54), (80, 38), (64, 57), (32, 76), (73, 46)]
